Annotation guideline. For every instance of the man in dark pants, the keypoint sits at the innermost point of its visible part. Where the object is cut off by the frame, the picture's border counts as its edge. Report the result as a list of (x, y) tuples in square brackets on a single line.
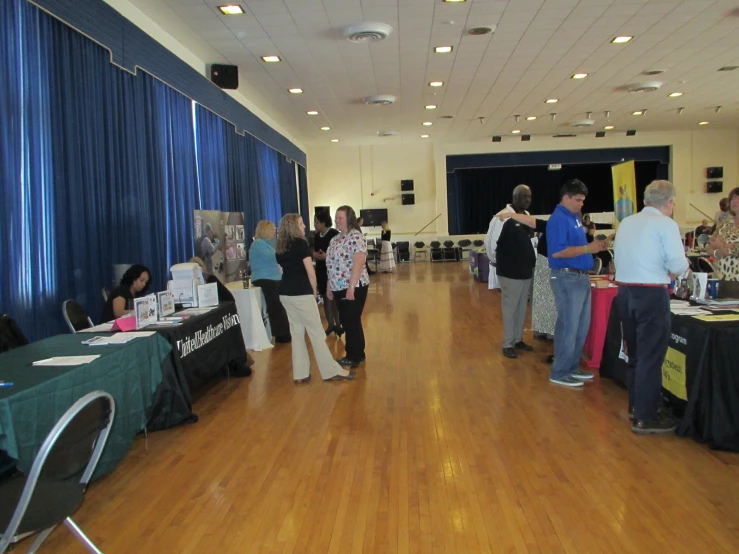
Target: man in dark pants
[(648, 255)]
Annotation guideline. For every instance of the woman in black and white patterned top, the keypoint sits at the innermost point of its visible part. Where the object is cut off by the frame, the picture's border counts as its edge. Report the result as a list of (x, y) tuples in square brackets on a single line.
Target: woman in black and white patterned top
[(724, 245)]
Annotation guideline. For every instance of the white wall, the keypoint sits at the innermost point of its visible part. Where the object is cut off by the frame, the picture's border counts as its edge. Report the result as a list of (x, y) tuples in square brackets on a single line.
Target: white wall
[(369, 177), (348, 175)]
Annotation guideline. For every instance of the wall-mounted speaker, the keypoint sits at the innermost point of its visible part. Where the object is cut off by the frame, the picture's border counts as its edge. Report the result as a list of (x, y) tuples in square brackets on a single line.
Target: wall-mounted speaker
[(525, 137), (497, 139), (631, 133), (600, 134), (406, 184), (714, 173), (225, 76), (715, 186), (408, 199)]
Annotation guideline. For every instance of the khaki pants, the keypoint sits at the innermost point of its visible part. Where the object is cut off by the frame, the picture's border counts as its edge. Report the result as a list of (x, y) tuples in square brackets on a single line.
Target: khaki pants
[(302, 313)]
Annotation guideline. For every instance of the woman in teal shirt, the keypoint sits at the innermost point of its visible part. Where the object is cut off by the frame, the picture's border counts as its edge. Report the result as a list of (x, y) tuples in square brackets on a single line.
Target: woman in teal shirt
[(266, 274)]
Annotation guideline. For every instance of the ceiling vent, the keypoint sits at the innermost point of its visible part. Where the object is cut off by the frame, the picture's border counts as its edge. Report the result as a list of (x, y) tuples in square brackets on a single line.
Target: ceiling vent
[(584, 123), (446, 117), (379, 100), (653, 72), (368, 31), (564, 135), (482, 30), (649, 86), (386, 133)]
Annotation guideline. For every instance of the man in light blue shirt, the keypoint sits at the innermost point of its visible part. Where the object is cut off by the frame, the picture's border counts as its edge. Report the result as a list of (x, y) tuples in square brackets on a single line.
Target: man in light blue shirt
[(648, 254)]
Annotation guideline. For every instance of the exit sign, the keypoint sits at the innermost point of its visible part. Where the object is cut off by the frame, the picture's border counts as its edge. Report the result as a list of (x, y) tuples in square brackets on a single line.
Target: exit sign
[(555, 167)]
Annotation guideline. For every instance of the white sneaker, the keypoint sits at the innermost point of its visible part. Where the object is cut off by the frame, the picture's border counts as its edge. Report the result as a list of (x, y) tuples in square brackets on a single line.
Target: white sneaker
[(582, 375), (566, 382)]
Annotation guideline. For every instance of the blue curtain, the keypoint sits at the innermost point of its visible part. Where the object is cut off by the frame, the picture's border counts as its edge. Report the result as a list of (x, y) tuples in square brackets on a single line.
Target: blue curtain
[(100, 167), (303, 197), (288, 186)]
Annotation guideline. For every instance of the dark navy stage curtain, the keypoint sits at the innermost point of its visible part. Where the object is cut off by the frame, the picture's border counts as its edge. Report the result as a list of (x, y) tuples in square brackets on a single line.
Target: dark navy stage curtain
[(303, 196), (269, 179), (211, 138), (475, 195), (245, 192)]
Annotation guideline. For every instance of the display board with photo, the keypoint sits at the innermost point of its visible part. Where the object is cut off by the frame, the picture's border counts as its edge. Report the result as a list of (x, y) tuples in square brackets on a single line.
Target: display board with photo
[(219, 242)]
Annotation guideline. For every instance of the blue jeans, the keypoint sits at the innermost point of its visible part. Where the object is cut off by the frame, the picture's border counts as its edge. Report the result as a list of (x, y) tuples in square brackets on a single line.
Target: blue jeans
[(572, 298)]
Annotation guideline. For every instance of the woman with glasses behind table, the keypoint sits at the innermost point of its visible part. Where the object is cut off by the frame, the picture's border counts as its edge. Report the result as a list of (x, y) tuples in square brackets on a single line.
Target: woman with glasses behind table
[(348, 281), (298, 295)]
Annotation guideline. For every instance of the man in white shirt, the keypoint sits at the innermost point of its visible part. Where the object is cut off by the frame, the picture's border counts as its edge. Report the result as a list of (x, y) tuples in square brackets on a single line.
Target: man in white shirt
[(649, 253), (494, 230)]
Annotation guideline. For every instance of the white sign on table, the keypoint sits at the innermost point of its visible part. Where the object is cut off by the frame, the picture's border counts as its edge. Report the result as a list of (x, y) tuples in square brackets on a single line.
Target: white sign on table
[(208, 295), (145, 310)]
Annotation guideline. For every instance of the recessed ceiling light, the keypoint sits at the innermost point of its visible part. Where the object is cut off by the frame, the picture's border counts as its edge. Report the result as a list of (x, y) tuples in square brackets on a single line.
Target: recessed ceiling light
[(443, 49), (552, 101), (609, 127), (427, 123), (703, 123), (637, 113), (295, 90), (450, 1), (516, 131), (334, 140), (431, 107), (728, 68), (231, 9), (436, 84), (579, 75), (621, 40), (676, 94), (424, 136), (325, 128), (531, 118), (271, 59), (312, 112)]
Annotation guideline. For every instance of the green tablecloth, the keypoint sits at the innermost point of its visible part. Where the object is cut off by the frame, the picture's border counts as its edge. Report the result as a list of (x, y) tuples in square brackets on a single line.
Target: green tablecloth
[(40, 395)]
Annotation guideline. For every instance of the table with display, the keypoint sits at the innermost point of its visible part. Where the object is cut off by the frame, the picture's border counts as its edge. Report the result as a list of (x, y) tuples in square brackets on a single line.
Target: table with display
[(601, 300), (40, 395), (202, 346), (699, 376)]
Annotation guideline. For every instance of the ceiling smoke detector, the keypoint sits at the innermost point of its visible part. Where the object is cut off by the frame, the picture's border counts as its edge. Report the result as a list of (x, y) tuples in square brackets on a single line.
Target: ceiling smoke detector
[(369, 31), (481, 30), (648, 86), (386, 133), (584, 123), (379, 100)]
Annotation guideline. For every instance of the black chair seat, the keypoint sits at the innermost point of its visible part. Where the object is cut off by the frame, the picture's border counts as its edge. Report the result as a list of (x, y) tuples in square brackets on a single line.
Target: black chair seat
[(51, 503)]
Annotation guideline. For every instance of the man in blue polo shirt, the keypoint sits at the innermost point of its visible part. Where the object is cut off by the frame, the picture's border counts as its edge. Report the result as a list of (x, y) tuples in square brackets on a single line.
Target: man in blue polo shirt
[(570, 259)]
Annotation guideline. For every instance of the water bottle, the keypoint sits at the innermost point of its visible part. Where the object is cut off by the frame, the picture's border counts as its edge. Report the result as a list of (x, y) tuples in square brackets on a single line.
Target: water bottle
[(244, 279)]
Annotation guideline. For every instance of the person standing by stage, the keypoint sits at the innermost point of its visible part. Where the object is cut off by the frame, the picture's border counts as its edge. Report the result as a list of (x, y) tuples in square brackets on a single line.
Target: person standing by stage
[(649, 254), (570, 259), (387, 257)]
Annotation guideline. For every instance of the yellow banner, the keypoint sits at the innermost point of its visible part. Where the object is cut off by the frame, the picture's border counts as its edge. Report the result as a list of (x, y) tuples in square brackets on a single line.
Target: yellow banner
[(624, 191), (673, 373)]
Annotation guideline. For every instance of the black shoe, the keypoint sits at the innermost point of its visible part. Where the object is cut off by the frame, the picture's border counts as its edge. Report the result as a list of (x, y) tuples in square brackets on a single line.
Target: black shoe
[(510, 353), (523, 346), (550, 359), (347, 362), (660, 426), (339, 330), (331, 329), (631, 413)]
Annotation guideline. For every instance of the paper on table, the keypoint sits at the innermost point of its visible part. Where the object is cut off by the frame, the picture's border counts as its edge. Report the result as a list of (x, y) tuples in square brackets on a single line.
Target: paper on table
[(102, 328), (66, 360), (724, 317), (679, 303), (689, 311), (195, 311)]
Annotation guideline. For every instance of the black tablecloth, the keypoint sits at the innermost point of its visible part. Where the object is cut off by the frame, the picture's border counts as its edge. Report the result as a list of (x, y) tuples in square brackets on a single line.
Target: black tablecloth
[(202, 346), (711, 362)]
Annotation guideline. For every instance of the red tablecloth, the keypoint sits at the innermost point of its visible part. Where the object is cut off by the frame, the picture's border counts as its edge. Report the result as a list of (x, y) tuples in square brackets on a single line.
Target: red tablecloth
[(600, 307)]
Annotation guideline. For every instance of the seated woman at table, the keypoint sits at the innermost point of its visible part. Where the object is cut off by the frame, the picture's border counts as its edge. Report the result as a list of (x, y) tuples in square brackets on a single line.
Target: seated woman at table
[(224, 295), (298, 294), (265, 274), (724, 245), (133, 284)]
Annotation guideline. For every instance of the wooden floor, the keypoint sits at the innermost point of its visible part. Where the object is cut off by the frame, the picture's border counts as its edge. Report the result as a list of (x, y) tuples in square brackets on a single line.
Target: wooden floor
[(441, 445)]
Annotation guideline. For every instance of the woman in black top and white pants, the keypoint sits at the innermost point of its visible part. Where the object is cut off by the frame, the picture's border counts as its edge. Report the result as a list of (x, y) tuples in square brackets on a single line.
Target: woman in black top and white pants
[(298, 295)]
